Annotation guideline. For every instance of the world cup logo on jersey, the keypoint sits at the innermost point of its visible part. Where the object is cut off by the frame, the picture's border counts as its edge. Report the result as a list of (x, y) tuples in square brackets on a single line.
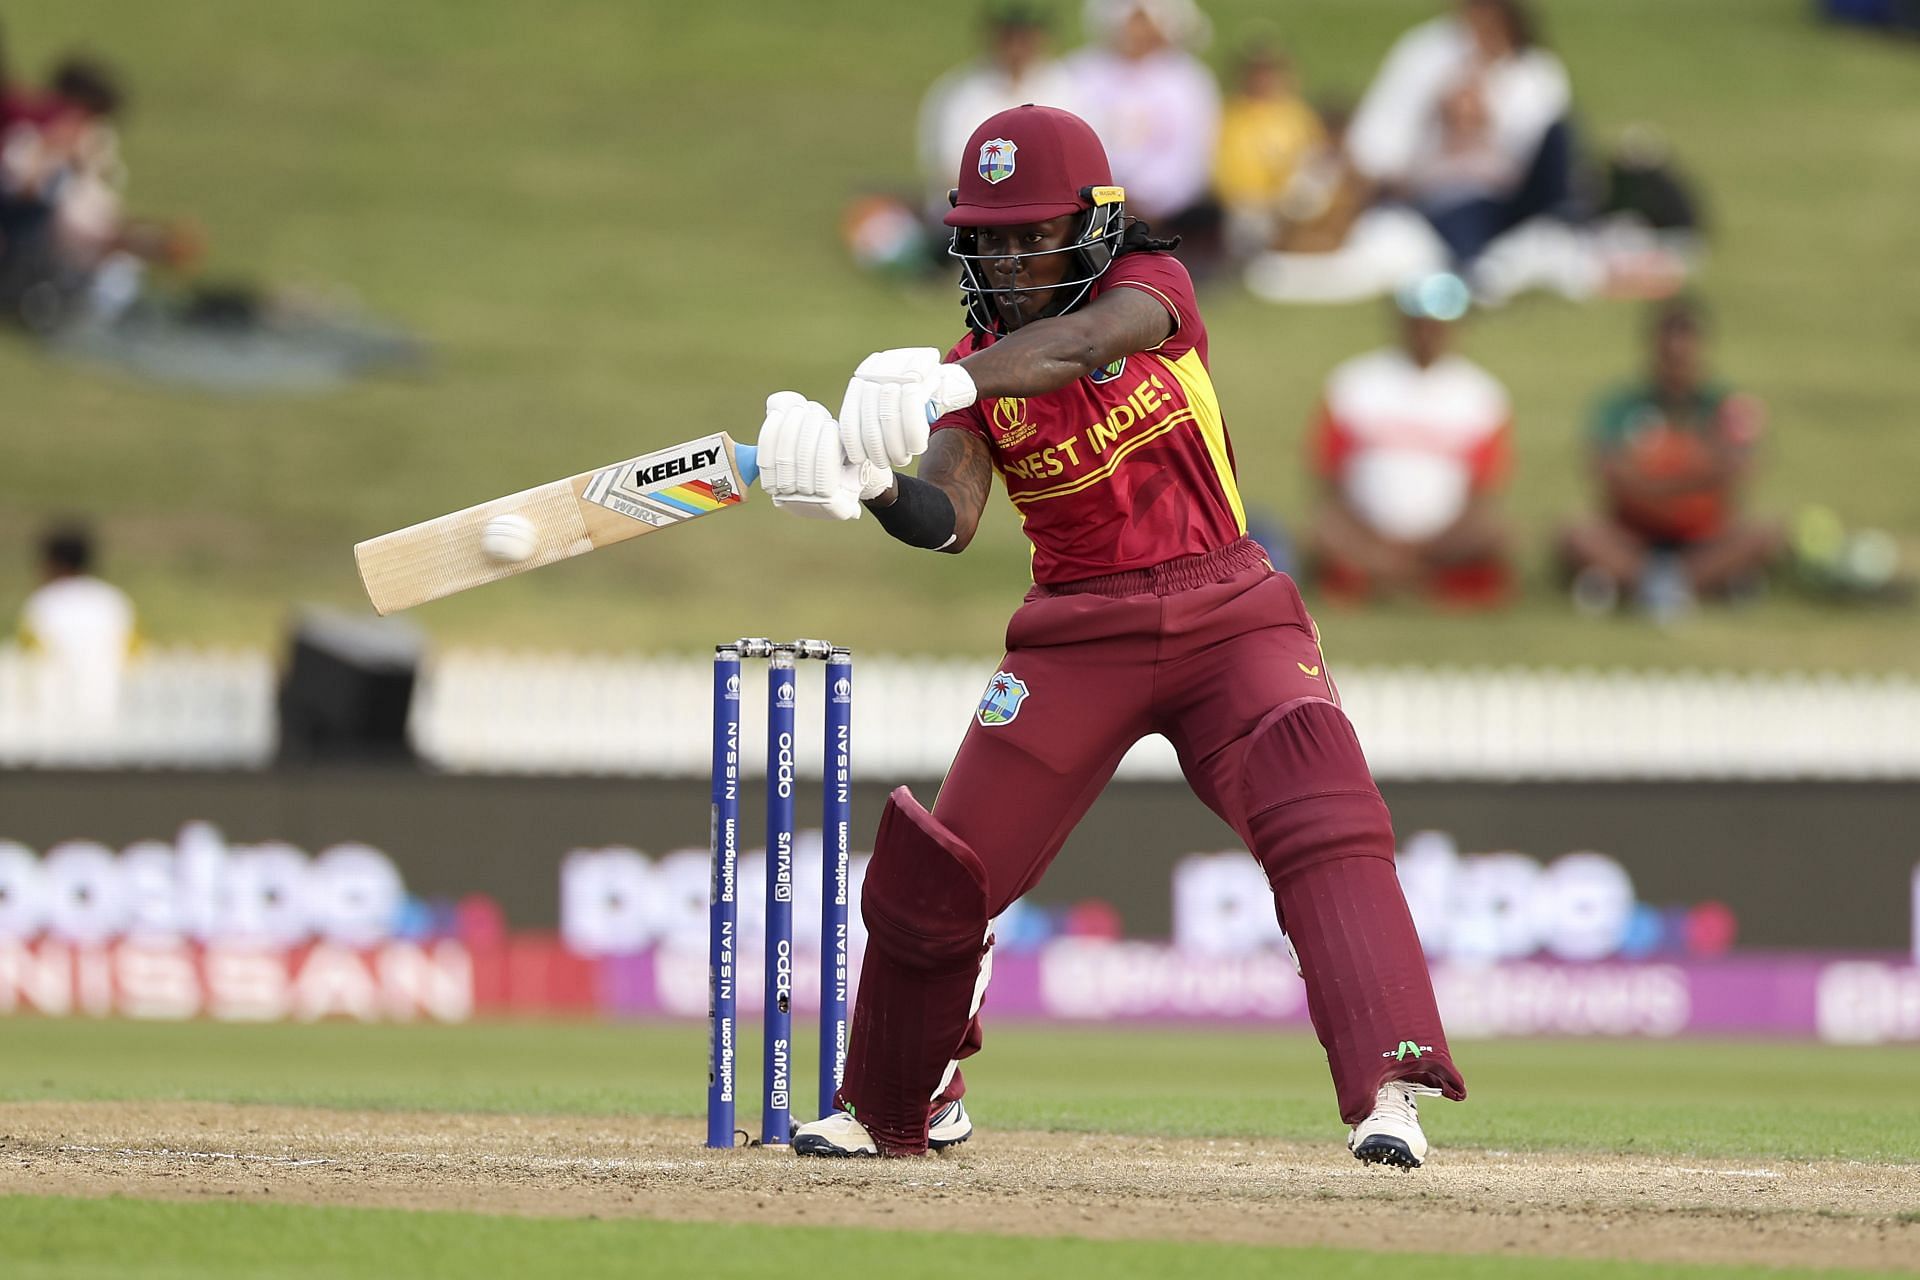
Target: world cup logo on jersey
[(996, 159), (1011, 422)]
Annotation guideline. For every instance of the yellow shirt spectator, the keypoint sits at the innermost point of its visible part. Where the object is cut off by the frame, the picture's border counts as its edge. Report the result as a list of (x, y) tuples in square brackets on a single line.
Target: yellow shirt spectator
[(1262, 143)]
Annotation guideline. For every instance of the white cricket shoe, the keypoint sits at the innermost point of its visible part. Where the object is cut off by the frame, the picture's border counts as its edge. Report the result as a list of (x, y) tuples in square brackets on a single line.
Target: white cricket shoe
[(841, 1135), (949, 1127), (1391, 1135), (836, 1135)]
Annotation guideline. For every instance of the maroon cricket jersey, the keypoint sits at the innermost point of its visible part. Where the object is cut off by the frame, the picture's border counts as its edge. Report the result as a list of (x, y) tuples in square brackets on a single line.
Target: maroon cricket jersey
[(1127, 467)]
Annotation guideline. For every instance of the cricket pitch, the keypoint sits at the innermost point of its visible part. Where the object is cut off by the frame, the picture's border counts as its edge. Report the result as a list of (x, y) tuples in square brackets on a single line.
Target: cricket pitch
[(1101, 1186)]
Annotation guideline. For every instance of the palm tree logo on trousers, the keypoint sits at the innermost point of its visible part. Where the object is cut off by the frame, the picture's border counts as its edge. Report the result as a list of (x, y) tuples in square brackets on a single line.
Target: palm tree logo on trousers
[(1001, 702)]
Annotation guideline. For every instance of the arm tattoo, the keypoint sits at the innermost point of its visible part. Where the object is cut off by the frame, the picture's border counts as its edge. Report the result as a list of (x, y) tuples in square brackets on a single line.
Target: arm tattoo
[(960, 465)]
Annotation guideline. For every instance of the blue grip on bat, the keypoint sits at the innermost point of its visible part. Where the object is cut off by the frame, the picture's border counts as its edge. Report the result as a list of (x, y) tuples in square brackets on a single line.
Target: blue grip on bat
[(748, 458)]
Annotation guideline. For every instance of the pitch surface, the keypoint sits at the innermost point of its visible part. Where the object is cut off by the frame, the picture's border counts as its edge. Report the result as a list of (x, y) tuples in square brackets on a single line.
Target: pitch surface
[(1099, 1186)]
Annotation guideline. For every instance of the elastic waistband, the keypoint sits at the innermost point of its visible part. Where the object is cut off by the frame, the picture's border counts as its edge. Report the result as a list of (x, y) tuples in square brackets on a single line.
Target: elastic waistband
[(1170, 577)]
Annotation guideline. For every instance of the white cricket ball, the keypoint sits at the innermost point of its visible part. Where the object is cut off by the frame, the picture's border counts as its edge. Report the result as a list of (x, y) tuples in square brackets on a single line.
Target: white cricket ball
[(509, 539)]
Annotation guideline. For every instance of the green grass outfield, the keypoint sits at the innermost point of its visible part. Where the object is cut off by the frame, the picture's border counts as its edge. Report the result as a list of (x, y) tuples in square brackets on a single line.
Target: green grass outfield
[(79, 1239), (616, 223), (1714, 1098), (1708, 1099)]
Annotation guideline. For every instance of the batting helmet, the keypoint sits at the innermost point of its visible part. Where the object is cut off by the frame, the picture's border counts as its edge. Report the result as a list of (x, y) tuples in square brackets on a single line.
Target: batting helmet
[(1029, 164)]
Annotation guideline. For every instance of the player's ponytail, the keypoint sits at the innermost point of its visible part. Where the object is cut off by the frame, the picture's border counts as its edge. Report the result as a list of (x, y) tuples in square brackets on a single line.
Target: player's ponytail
[(1139, 238)]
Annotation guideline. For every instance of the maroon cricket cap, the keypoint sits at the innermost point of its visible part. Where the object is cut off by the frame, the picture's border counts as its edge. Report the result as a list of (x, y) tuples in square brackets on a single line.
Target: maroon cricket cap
[(1028, 164)]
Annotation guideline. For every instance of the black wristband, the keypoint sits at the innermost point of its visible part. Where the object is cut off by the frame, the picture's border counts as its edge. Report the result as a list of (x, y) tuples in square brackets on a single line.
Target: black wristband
[(921, 514)]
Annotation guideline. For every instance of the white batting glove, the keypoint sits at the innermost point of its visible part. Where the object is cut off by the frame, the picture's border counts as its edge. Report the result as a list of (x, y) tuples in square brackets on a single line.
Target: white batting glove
[(802, 465), (892, 400)]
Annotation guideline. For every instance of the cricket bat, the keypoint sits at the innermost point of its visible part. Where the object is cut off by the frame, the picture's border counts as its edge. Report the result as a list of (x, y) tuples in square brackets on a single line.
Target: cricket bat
[(570, 517)]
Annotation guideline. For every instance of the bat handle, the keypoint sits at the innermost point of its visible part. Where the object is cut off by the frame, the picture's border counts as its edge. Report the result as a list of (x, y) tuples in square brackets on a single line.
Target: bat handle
[(747, 456)]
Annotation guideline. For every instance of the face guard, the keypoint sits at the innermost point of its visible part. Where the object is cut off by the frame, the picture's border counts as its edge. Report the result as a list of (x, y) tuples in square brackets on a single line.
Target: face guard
[(1095, 241)]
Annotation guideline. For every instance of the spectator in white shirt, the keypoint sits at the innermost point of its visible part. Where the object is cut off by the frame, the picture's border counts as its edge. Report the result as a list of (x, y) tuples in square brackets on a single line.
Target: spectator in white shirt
[(1467, 121), (1412, 445), (1156, 108), (82, 630), (1015, 69)]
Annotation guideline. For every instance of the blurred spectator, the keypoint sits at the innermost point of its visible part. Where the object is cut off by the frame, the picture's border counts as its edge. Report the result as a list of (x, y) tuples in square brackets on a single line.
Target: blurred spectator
[(1413, 444), (69, 246), (74, 265), (1671, 456), (22, 215), (1268, 133), (58, 161), (1466, 120), (1016, 67), (1460, 156), (83, 631), (1339, 245), (1157, 109), (1327, 194)]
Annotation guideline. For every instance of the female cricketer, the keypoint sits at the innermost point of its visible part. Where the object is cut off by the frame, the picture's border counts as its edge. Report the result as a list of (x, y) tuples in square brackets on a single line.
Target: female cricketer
[(1083, 382)]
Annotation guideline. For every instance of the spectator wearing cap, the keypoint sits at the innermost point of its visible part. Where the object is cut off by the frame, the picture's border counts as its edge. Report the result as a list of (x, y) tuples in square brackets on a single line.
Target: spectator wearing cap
[(1268, 133), (1015, 68), (1412, 446), (1157, 110), (81, 629), (1671, 456)]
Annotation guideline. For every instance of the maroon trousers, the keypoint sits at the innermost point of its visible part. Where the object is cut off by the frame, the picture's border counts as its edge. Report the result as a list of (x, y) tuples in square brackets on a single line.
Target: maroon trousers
[(1217, 653)]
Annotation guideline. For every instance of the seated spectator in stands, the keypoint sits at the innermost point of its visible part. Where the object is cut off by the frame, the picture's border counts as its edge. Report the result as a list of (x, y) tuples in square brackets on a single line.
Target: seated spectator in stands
[(1671, 457), (1268, 136), (1339, 244), (82, 630), (22, 213), (1466, 121), (1016, 68), (59, 151), (1412, 445), (74, 267), (1157, 109), (1327, 195), (70, 247)]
